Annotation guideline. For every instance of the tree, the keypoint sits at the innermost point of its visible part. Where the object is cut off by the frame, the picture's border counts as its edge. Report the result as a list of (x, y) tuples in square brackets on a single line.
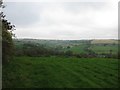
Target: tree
[(69, 53), (111, 51), (7, 43)]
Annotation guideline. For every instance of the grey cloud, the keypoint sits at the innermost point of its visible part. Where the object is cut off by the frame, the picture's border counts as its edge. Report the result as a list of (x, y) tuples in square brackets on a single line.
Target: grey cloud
[(62, 20), (77, 7), (22, 14)]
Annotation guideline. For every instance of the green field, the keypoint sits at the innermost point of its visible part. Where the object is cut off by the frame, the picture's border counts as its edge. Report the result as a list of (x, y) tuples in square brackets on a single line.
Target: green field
[(77, 49), (104, 49), (61, 72)]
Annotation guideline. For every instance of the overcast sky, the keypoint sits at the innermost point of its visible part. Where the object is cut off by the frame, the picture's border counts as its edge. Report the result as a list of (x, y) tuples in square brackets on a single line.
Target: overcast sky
[(76, 19)]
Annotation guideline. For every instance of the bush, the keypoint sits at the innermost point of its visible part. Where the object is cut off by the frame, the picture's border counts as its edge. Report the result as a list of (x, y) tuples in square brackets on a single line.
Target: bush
[(69, 53)]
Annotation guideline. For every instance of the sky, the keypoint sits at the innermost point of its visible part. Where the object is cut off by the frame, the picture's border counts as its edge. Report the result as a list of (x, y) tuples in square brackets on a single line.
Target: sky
[(64, 19)]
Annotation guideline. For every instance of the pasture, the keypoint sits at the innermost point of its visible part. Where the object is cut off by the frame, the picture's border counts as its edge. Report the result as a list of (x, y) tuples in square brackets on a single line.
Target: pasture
[(113, 49), (79, 49), (60, 72)]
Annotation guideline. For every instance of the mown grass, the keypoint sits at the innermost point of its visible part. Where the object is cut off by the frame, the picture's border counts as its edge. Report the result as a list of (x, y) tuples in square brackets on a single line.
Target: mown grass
[(60, 72)]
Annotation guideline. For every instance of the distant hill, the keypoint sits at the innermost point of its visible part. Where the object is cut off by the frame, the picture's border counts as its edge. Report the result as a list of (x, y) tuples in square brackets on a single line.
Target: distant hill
[(69, 42), (104, 41), (101, 46)]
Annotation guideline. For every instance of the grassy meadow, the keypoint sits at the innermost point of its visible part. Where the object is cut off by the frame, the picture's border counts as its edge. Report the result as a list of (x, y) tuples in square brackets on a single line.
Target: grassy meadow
[(61, 72)]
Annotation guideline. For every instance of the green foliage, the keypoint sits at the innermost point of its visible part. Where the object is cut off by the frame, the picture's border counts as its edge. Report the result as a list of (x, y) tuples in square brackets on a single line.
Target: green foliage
[(61, 72), (7, 43), (69, 53)]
